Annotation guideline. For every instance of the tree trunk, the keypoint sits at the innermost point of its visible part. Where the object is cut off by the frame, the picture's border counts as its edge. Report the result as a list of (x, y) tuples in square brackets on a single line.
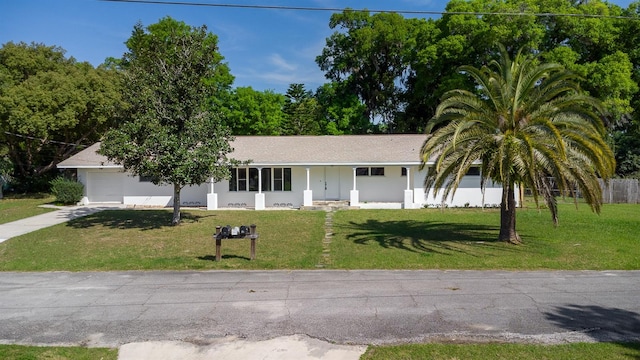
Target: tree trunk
[(176, 205), (508, 216)]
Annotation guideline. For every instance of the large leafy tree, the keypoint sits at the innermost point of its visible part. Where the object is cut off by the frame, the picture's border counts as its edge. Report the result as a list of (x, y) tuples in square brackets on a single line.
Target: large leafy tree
[(367, 54), (527, 123), (173, 133), (341, 110), (252, 112), (51, 106), (400, 68)]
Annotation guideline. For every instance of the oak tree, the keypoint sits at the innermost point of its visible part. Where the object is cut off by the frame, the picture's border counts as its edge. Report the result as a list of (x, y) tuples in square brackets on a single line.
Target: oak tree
[(172, 133)]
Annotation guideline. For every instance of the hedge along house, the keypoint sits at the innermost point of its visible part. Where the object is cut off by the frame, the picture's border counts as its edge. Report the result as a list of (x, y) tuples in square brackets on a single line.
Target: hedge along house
[(367, 171)]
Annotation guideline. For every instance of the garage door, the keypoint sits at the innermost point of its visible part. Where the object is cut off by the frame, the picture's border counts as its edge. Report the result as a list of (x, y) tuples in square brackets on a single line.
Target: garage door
[(104, 187)]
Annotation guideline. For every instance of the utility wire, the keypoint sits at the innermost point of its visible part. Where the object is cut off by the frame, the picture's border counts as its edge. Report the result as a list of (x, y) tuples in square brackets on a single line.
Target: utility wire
[(40, 139), (412, 12)]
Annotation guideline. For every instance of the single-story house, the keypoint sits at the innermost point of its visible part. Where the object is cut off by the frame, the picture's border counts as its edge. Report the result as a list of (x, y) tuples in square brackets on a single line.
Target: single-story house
[(367, 171)]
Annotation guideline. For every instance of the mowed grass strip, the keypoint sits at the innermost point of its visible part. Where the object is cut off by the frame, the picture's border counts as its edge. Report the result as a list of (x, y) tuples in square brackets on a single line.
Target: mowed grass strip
[(578, 351), (14, 208), (143, 240), (467, 239), (20, 352)]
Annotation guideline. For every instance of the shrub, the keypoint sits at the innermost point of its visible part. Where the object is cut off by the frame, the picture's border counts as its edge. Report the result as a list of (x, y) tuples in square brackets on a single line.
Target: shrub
[(66, 191)]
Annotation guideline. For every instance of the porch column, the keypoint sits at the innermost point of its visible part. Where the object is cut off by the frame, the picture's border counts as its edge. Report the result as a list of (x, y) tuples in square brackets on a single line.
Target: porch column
[(408, 193), (354, 198), (260, 201), (212, 197), (308, 193)]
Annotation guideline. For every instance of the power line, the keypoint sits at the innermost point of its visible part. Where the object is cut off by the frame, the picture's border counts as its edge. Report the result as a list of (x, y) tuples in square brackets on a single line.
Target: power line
[(40, 139), (412, 12)]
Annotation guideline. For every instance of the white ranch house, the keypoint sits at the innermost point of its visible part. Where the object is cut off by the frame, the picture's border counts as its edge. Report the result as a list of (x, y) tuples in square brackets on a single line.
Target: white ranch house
[(367, 171)]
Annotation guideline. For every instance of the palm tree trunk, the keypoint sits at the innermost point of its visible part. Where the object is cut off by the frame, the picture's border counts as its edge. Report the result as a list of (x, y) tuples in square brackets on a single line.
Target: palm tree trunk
[(176, 205), (508, 216)]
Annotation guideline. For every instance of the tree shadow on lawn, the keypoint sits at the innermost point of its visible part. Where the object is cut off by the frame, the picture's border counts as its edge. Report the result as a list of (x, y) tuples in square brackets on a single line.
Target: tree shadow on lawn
[(134, 219), (600, 323), (424, 236)]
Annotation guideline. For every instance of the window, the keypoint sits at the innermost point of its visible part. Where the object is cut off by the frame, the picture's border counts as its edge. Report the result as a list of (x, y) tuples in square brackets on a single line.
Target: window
[(373, 171), (287, 179), (253, 179), (233, 182), (273, 179), (266, 179), (242, 179), (362, 171), (377, 171), (403, 171), (277, 179), (474, 171), (144, 178), (281, 179)]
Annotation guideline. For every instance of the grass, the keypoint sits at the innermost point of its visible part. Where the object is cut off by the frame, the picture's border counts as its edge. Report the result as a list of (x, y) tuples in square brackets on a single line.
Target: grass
[(467, 239), (577, 351), (142, 240), (363, 239), (19, 352), (14, 208)]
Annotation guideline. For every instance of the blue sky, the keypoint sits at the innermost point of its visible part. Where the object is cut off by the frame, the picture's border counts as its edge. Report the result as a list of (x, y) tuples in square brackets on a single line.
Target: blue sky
[(265, 49)]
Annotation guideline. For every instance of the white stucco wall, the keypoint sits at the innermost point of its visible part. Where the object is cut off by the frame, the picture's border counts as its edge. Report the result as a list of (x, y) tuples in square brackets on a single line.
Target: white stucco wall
[(134, 192), (467, 194), (387, 188)]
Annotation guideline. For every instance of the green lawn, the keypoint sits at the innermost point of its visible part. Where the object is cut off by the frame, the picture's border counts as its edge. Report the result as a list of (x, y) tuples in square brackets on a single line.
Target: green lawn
[(363, 239), (14, 208), (466, 239), (19, 352), (578, 351), (142, 240)]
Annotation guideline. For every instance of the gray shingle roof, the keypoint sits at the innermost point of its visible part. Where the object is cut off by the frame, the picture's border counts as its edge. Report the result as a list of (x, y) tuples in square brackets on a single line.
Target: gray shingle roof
[(302, 150)]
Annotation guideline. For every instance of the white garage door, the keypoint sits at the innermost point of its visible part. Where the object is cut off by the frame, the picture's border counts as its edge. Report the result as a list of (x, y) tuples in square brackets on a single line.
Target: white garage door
[(104, 187)]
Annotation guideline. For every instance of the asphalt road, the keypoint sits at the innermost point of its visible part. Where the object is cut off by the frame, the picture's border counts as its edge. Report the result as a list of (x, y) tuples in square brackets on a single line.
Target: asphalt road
[(345, 307)]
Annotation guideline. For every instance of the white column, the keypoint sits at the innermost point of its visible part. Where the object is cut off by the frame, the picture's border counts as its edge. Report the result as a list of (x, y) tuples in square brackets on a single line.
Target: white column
[(408, 178), (260, 199), (212, 197), (307, 199), (354, 178), (408, 193), (354, 198)]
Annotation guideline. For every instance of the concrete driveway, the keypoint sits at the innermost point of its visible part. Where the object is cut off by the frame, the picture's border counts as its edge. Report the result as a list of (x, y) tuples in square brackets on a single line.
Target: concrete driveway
[(340, 307)]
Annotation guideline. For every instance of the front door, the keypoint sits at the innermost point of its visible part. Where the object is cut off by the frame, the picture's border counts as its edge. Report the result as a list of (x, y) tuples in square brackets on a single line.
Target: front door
[(332, 183)]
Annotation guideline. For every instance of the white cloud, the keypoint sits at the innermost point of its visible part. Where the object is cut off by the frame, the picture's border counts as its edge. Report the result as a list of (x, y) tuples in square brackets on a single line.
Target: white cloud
[(281, 64)]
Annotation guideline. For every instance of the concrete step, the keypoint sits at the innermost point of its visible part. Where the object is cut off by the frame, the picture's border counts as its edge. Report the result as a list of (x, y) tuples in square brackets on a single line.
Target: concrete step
[(329, 206)]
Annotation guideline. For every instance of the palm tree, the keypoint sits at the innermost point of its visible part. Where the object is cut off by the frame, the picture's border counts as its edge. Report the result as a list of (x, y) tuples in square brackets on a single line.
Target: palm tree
[(525, 123)]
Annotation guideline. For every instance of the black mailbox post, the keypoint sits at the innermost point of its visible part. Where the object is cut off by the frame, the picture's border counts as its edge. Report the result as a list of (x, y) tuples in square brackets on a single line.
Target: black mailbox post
[(243, 232)]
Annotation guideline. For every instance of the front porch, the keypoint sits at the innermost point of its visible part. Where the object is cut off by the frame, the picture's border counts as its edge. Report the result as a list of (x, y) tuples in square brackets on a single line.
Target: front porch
[(308, 187)]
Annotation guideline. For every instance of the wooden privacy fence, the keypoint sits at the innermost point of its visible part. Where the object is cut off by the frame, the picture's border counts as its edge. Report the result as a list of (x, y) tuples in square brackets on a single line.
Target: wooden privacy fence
[(620, 191)]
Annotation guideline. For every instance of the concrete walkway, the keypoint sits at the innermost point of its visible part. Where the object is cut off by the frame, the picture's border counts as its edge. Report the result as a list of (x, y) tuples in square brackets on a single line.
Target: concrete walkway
[(63, 214)]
